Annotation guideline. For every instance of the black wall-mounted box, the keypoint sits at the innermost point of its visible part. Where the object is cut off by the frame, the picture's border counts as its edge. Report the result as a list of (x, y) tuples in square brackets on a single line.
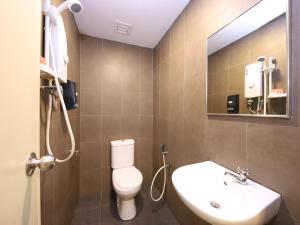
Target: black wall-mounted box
[(70, 95), (233, 104)]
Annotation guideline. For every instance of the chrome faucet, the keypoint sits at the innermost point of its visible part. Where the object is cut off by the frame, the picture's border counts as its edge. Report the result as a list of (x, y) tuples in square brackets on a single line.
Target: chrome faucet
[(242, 175)]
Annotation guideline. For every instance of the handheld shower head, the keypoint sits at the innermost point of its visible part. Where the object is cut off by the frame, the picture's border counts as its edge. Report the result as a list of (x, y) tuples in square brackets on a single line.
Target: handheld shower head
[(74, 6)]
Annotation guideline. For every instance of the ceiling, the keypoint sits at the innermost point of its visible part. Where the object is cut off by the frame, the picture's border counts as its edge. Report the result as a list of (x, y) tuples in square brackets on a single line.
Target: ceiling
[(149, 19)]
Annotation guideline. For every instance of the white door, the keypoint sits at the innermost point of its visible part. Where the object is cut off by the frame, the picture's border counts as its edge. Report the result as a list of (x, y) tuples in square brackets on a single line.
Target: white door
[(20, 23)]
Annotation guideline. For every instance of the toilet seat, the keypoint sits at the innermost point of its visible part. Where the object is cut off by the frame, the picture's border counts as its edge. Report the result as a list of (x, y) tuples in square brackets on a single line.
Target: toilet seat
[(127, 178)]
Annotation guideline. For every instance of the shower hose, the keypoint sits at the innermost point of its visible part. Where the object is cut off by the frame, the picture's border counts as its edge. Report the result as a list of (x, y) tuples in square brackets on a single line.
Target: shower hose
[(64, 112), (164, 167)]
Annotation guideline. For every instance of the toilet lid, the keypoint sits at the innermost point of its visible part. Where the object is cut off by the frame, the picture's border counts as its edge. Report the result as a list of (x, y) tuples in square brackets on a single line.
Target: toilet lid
[(129, 177)]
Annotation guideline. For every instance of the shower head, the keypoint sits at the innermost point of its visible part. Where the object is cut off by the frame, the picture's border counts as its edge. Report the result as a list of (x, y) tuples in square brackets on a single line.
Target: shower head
[(74, 6)]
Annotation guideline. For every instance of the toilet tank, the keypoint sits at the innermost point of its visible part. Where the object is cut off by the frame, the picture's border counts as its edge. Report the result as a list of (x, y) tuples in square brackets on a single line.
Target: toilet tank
[(122, 153)]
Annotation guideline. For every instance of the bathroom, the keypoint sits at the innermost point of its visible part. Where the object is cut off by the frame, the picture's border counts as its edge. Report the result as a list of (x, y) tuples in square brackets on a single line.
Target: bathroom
[(159, 89)]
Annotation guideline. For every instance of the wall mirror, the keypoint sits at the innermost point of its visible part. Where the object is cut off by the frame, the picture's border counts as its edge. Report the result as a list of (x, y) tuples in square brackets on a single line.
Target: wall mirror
[(248, 64)]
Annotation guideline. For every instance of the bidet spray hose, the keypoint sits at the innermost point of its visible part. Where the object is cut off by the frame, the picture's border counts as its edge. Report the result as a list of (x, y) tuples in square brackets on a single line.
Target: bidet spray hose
[(164, 167)]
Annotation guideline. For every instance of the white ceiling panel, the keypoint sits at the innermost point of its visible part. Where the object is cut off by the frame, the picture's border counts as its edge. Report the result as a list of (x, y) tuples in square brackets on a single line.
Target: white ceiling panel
[(149, 19)]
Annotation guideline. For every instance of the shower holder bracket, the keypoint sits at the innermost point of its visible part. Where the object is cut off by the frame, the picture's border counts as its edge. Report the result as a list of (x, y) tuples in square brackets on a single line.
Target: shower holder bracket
[(163, 149), (51, 89)]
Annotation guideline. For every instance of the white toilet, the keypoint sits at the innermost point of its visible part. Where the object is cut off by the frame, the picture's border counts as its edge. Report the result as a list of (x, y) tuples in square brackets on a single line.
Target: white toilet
[(126, 179)]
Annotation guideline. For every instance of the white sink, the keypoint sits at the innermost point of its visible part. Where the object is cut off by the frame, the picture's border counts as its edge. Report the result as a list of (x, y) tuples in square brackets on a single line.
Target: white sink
[(220, 199)]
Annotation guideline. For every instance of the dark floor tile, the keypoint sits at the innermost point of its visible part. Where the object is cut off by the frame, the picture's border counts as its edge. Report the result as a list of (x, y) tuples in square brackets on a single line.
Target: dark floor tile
[(107, 198), (91, 217), (145, 195), (163, 214), (148, 212), (88, 203), (109, 216)]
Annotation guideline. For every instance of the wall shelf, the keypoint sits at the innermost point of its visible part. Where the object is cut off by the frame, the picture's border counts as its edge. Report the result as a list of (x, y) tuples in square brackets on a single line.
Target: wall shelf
[(46, 72), (284, 95)]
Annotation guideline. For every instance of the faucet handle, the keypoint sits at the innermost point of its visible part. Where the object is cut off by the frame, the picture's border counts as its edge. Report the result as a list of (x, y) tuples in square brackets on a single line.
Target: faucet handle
[(243, 171), (246, 172)]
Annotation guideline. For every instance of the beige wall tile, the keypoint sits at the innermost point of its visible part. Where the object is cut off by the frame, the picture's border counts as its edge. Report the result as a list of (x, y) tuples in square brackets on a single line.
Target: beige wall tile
[(90, 157), (90, 182), (164, 75), (272, 154), (236, 78), (146, 103), (130, 103), (165, 47), (111, 127), (146, 79), (219, 61), (228, 141), (106, 180), (192, 58), (130, 55), (146, 58), (121, 98), (239, 52), (90, 103), (90, 51), (105, 151), (146, 127), (194, 139), (90, 62), (156, 56), (111, 102), (143, 151), (175, 141), (130, 126), (110, 77), (112, 52), (177, 34), (193, 96), (164, 102), (59, 187), (220, 102), (176, 75), (220, 81), (143, 159), (131, 78), (90, 128)]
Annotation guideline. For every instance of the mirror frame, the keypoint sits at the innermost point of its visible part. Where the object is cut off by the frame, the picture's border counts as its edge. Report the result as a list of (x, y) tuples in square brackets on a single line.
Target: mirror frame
[(288, 114)]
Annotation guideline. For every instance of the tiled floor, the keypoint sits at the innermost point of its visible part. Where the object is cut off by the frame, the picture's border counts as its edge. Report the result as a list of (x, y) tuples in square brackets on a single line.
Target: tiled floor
[(93, 211)]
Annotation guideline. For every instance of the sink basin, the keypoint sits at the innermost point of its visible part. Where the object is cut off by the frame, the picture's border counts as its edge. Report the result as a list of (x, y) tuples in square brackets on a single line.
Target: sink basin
[(220, 199)]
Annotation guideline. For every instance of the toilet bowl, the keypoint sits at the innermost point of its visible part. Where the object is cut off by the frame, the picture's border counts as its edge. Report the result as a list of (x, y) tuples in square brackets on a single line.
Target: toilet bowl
[(127, 183), (127, 180)]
